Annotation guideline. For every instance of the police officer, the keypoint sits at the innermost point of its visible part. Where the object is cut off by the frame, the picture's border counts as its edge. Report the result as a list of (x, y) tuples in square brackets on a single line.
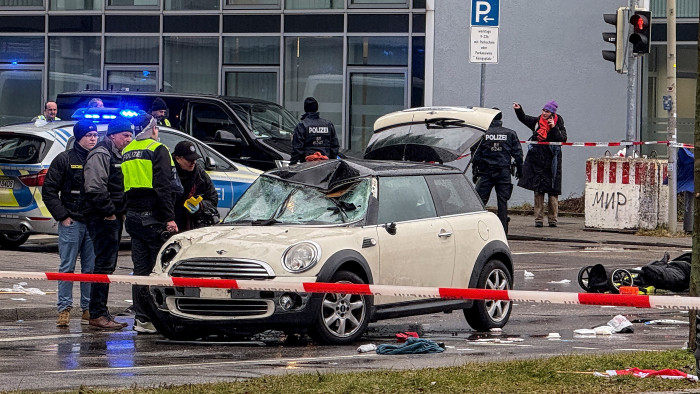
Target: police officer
[(64, 196), (150, 218), (492, 165), (50, 111), (313, 134), (159, 111)]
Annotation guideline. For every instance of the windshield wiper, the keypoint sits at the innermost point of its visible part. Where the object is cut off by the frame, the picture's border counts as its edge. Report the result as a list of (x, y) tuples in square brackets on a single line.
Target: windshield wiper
[(444, 123), (342, 207), (264, 222)]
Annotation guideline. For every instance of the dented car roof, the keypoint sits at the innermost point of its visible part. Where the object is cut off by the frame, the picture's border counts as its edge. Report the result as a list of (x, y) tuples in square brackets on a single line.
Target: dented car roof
[(329, 174)]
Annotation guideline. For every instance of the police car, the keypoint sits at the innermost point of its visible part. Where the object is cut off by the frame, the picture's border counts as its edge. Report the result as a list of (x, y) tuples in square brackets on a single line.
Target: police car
[(27, 149)]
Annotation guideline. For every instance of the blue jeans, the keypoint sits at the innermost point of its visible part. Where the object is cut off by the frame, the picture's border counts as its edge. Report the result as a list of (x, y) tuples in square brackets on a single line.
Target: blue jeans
[(106, 235), (72, 240)]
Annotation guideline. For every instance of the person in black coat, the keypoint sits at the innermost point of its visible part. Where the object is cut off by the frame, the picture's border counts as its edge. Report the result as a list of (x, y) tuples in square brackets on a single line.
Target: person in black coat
[(314, 137), (542, 167), (63, 193), (196, 182), (492, 165)]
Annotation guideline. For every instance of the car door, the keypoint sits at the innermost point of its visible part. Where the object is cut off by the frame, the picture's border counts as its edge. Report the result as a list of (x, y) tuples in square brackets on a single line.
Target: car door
[(421, 250), (457, 202), (219, 174)]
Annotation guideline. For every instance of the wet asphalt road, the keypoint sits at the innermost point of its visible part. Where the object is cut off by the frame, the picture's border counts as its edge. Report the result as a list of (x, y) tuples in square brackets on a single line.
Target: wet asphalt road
[(38, 356)]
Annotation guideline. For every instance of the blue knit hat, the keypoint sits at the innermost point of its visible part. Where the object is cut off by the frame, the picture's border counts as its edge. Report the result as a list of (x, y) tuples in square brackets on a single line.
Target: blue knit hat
[(119, 125), (83, 127)]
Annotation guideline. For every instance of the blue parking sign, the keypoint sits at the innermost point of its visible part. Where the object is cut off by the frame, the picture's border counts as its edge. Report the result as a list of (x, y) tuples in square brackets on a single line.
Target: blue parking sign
[(485, 13)]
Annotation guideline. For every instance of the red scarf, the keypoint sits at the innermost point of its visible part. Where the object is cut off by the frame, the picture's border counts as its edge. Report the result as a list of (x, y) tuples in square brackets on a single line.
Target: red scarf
[(544, 128)]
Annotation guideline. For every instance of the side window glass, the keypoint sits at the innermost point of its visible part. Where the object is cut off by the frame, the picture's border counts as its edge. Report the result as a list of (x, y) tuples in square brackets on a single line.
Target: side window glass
[(221, 165), (404, 198), (208, 119), (453, 194)]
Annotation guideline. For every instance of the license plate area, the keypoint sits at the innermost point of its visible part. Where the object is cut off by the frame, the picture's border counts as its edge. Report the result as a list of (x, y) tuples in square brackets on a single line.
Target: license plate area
[(6, 183), (206, 292)]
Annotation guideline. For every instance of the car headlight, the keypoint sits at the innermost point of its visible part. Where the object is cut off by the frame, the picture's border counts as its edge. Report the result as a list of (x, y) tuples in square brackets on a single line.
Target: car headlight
[(301, 256), (169, 254)]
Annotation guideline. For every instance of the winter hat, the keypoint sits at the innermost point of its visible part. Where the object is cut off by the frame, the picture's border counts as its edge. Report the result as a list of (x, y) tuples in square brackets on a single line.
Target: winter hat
[(158, 104), (551, 106), (119, 125), (187, 150), (143, 126), (83, 127), (310, 105)]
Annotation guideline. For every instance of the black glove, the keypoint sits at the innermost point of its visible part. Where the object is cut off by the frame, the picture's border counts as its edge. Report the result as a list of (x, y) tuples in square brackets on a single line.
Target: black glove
[(518, 173)]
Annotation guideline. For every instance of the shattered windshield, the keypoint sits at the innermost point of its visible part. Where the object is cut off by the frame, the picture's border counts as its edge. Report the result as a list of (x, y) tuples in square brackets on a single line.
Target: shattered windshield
[(266, 120), (269, 201)]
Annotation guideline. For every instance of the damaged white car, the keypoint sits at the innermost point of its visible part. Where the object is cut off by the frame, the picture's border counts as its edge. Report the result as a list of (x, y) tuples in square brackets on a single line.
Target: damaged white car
[(387, 219)]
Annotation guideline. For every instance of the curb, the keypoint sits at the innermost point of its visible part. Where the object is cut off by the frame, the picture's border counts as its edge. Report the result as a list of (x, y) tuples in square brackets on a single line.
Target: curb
[(604, 242)]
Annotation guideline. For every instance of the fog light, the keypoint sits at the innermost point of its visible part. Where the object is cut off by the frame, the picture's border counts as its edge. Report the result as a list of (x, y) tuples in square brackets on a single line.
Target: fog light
[(286, 302)]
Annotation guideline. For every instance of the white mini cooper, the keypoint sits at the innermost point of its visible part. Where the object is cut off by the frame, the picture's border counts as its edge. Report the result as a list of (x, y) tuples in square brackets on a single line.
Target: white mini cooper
[(390, 222)]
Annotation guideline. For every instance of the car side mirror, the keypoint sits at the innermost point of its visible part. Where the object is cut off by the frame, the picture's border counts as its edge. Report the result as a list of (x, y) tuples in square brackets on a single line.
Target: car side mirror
[(209, 163), (390, 228), (227, 136)]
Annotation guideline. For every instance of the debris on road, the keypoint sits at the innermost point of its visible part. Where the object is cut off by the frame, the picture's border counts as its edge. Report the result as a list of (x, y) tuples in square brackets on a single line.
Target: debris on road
[(643, 373), (412, 346)]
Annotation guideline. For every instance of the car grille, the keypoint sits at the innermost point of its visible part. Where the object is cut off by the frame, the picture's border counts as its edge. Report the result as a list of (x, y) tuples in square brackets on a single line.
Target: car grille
[(228, 308), (223, 268)]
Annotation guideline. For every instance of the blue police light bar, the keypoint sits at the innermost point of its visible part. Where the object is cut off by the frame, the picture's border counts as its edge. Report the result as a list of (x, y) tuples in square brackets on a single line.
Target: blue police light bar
[(103, 115)]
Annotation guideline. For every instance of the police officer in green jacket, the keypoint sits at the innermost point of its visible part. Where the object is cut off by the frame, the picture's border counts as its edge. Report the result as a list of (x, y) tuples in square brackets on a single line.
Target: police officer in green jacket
[(150, 197)]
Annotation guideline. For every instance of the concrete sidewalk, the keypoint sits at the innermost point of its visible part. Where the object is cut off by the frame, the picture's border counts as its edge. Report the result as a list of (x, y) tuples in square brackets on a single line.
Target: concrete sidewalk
[(15, 307)]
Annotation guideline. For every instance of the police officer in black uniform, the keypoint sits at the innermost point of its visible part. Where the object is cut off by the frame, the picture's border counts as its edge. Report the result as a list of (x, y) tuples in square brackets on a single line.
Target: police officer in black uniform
[(313, 134), (492, 165)]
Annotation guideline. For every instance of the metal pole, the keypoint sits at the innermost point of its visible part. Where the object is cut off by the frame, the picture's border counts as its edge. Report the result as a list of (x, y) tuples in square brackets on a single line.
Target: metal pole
[(482, 94), (672, 114), (631, 86)]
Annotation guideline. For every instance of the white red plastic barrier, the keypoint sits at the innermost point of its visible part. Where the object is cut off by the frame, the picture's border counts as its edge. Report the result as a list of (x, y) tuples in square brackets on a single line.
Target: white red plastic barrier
[(544, 297), (621, 143)]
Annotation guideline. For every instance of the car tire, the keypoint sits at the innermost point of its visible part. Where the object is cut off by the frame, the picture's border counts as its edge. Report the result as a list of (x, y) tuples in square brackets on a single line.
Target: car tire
[(487, 314), (13, 240), (341, 318)]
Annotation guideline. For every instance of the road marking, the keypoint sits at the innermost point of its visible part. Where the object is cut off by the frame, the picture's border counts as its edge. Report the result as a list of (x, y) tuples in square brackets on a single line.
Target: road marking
[(573, 251), (18, 339), (244, 362)]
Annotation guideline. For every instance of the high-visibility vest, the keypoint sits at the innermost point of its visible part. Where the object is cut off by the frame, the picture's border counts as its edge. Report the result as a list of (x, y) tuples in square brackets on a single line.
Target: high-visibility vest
[(137, 164)]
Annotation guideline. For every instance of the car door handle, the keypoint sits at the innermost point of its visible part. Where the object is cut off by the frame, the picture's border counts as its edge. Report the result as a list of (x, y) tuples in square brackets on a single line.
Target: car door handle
[(445, 234)]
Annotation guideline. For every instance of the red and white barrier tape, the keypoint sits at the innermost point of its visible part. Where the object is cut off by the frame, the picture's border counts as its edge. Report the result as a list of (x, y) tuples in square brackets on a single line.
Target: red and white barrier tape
[(544, 297), (621, 143)]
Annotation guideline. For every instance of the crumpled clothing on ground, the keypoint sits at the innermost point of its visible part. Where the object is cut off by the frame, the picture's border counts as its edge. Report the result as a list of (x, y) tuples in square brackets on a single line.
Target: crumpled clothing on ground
[(411, 346)]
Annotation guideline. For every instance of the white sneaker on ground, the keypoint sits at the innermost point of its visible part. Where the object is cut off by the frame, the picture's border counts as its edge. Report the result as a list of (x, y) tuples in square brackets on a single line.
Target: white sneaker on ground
[(144, 327)]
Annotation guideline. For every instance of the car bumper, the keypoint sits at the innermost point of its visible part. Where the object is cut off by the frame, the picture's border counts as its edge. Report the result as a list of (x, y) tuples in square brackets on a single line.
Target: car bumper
[(23, 224), (239, 311)]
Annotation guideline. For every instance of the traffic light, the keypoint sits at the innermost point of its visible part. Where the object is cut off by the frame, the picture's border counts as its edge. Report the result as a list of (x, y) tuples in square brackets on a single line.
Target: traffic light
[(641, 31), (617, 56)]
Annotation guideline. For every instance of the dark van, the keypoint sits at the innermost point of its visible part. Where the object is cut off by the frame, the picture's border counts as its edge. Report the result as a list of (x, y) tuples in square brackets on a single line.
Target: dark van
[(253, 132)]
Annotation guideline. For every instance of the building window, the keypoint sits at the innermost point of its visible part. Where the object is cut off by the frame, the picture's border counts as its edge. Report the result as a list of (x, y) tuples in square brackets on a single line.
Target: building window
[(313, 4), (179, 5), (313, 66), (191, 64), (22, 4), (133, 4), (74, 64), (131, 50), (379, 3), (248, 50), (70, 5), (253, 3), (418, 71), (21, 50), (378, 51)]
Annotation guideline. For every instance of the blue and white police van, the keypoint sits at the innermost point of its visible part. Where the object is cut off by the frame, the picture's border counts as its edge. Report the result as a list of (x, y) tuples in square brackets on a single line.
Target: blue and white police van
[(27, 149)]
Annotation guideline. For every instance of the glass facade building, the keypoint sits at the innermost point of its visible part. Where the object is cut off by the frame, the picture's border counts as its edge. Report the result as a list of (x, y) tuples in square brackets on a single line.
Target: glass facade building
[(359, 58)]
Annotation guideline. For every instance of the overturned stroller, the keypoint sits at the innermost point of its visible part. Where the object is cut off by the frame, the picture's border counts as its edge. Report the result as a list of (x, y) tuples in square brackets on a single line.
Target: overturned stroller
[(665, 274)]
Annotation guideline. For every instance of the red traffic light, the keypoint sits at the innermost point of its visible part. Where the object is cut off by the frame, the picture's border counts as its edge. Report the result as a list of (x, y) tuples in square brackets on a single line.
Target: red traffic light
[(640, 22)]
